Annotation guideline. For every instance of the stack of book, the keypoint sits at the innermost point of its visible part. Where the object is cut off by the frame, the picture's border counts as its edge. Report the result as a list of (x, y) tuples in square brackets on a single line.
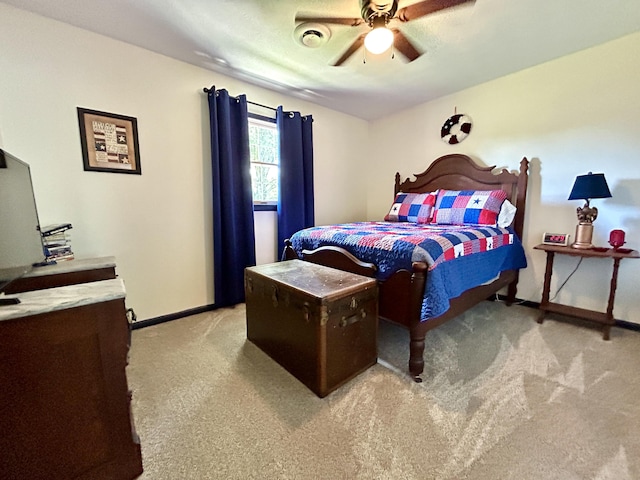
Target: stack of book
[(56, 242)]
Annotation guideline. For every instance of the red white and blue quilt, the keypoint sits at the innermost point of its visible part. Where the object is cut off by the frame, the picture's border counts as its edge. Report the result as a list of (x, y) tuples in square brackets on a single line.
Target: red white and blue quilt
[(459, 257)]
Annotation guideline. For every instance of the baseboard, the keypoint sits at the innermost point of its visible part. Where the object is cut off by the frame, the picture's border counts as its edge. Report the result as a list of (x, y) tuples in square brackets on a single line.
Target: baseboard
[(519, 301), (207, 308), (628, 325), (527, 303), (172, 316)]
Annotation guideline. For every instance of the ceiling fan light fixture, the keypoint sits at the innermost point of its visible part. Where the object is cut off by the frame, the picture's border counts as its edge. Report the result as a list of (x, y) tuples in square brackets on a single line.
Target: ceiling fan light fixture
[(377, 14), (378, 40)]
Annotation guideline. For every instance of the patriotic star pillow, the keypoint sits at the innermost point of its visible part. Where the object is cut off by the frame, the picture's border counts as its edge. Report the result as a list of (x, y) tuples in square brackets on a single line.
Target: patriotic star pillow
[(468, 207), (412, 207)]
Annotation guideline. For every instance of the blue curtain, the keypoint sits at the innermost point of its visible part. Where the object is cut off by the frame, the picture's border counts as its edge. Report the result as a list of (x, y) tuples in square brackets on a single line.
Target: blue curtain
[(233, 229), (295, 202)]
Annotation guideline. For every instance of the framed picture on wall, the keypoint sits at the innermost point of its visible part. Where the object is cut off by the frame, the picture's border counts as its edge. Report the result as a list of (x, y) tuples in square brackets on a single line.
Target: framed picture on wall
[(109, 142)]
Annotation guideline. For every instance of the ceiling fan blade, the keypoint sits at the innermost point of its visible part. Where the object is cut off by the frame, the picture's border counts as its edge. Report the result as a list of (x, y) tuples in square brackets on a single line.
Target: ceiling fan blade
[(420, 9), (404, 46), (352, 22), (359, 42)]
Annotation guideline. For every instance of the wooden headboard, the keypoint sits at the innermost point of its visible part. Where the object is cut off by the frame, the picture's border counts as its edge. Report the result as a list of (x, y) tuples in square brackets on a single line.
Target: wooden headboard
[(460, 172)]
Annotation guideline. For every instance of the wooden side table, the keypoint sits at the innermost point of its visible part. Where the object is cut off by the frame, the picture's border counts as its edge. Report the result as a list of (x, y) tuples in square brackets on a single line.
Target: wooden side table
[(606, 319)]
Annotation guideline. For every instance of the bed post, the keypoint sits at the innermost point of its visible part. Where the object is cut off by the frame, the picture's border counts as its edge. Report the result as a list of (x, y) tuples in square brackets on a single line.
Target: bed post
[(396, 187), (521, 197), (518, 225), (288, 253), (417, 335)]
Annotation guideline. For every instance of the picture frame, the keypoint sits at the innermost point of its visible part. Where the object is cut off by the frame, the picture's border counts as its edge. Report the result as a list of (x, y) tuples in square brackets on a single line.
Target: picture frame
[(109, 142)]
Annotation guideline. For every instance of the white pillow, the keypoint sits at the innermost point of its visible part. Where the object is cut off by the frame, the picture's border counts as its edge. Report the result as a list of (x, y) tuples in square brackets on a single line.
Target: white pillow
[(507, 214)]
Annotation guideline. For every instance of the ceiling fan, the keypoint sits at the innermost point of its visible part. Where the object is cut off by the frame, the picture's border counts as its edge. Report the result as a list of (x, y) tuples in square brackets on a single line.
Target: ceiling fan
[(377, 14)]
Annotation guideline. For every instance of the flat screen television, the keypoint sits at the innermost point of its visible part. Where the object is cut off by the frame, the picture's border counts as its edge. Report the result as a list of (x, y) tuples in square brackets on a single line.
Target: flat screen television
[(20, 239)]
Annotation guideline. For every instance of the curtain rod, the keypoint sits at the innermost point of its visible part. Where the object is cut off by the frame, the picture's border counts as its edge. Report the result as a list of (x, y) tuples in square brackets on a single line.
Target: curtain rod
[(207, 90)]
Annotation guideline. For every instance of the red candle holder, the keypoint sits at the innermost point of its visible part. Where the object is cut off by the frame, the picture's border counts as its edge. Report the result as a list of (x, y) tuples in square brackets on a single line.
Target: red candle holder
[(616, 238)]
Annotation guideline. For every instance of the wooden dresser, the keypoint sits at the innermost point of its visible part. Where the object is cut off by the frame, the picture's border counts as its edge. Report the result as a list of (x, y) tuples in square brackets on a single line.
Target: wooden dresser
[(64, 273), (64, 402)]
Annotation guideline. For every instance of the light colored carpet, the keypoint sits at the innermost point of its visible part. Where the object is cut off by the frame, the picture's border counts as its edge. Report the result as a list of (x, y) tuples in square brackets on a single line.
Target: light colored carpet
[(502, 398)]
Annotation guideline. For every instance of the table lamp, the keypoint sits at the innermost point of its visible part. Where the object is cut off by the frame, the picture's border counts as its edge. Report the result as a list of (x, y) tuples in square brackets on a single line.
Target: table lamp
[(587, 187)]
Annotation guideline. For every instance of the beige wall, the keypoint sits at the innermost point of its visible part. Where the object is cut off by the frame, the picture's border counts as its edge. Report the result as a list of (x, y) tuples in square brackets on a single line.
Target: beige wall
[(569, 116), (157, 225)]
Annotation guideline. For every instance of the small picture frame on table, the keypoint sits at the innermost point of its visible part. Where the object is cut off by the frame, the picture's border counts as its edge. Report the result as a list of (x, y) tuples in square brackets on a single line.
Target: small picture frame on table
[(109, 142)]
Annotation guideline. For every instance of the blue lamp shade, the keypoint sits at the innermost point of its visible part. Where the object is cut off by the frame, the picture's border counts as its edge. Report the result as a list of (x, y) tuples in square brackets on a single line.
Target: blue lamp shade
[(591, 185)]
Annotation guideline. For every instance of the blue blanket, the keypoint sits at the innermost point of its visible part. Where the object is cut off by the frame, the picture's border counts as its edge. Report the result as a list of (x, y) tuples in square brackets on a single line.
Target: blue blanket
[(458, 257)]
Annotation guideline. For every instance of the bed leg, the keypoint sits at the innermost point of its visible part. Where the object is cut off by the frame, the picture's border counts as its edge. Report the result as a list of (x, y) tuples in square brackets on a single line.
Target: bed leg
[(416, 345), (512, 291), (416, 358)]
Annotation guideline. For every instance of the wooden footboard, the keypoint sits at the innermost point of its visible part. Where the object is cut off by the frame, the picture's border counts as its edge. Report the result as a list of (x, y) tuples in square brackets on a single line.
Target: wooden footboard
[(399, 296)]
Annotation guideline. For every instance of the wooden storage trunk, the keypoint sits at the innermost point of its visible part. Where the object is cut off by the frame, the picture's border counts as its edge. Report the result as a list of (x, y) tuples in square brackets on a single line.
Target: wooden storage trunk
[(319, 323)]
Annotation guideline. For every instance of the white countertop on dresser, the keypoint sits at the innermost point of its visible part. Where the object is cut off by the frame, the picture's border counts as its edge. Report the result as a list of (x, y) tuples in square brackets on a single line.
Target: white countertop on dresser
[(60, 298), (75, 265)]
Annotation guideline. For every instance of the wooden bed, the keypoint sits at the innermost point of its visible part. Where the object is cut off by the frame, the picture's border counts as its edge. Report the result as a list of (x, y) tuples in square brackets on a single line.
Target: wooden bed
[(400, 295)]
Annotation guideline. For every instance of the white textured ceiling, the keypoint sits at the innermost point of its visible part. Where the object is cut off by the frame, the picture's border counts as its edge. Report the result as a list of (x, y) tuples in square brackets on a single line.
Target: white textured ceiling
[(253, 40)]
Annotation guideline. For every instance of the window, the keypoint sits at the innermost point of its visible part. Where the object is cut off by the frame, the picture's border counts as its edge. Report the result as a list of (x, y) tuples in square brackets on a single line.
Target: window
[(263, 148)]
